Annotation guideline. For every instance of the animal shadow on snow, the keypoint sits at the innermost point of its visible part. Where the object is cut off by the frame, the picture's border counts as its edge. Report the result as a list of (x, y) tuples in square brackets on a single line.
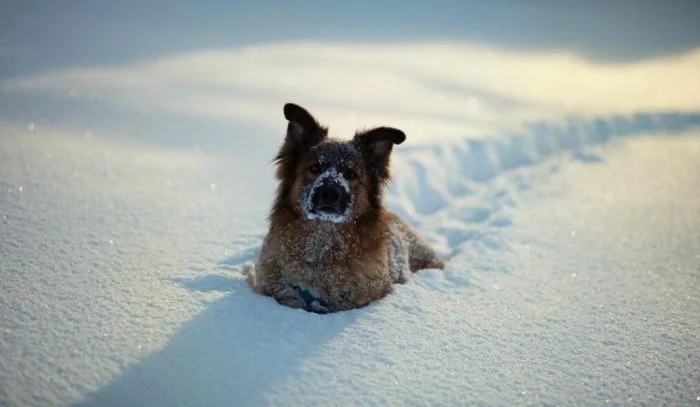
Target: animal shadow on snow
[(236, 263), (230, 354)]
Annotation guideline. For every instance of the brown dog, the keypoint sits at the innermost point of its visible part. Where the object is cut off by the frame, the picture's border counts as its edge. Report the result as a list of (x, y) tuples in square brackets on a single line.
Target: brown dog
[(332, 245)]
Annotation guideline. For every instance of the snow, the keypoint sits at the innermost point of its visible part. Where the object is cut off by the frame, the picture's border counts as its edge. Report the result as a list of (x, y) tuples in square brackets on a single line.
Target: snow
[(562, 191), (571, 278), (433, 89)]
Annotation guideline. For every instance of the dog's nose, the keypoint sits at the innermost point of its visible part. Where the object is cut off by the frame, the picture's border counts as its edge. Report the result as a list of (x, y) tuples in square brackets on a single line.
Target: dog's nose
[(330, 198), (329, 195)]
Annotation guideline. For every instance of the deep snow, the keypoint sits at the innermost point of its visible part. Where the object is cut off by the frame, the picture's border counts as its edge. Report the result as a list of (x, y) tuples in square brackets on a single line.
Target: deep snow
[(552, 158), (572, 275)]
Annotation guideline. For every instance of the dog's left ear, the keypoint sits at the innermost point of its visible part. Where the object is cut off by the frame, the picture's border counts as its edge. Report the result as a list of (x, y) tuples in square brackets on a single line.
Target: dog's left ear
[(303, 129), (303, 132), (377, 144)]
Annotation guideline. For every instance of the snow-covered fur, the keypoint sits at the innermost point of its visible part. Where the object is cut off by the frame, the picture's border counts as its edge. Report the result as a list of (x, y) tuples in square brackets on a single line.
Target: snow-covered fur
[(332, 245)]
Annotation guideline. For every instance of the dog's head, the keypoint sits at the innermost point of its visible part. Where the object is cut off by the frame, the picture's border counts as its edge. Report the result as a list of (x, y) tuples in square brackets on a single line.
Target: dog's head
[(331, 180)]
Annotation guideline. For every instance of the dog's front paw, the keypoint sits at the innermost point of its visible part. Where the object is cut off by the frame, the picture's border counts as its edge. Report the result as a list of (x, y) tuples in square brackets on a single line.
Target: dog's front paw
[(313, 299), (319, 307), (288, 297)]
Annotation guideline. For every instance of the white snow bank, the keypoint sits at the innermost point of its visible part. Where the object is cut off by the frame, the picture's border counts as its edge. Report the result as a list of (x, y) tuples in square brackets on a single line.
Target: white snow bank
[(122, 285), (429, 90), (442, 184)]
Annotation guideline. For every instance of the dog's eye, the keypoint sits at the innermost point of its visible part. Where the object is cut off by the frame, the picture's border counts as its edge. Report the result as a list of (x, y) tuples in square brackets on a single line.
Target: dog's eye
[(315, 169), (350, 175)]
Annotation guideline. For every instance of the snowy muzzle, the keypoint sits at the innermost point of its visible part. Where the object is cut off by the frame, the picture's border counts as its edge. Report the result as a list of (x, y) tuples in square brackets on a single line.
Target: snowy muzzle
[(328, 198)]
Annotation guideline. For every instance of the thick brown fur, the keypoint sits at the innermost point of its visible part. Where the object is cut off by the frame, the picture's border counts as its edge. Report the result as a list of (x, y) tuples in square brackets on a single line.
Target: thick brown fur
[(308, 261)]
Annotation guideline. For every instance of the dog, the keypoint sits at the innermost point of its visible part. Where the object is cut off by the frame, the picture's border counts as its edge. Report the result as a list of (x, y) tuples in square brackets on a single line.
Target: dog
[(332, 245)]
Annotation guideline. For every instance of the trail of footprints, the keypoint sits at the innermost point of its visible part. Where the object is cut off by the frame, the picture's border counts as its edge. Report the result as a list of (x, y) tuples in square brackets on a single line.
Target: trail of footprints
[(463, 191)]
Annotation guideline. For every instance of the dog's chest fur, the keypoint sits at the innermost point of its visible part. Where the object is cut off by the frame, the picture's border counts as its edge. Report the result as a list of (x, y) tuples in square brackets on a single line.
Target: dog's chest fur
[(345, 264), (323, 241)]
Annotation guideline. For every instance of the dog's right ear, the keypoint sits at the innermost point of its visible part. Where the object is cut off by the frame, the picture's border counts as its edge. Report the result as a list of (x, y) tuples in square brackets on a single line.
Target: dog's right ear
[(377, 144), (302, 130)]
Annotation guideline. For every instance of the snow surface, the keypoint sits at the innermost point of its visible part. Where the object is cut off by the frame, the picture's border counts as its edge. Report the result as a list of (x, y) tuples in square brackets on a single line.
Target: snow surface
[(453, 89), (558, 175), (573, 268)]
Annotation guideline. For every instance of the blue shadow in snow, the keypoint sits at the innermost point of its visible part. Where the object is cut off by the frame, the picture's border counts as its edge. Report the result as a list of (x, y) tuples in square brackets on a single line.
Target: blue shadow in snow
[(231, 354), (209, 283)]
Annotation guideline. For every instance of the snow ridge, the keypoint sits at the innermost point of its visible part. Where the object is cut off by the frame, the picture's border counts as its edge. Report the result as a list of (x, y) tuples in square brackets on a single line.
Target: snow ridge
[(456, 184)]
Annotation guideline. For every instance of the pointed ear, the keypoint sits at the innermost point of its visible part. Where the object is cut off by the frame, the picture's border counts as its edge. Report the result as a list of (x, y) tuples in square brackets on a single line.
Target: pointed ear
[(302, 129), (377, 144), (303, 132)]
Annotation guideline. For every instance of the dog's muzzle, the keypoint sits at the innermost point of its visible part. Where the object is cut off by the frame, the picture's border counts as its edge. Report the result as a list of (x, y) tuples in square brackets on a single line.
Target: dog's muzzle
[(331, 198)]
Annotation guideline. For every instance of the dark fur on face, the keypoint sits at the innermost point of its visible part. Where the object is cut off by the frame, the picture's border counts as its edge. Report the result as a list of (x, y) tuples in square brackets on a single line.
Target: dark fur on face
[(308, 153), (332, 245)]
